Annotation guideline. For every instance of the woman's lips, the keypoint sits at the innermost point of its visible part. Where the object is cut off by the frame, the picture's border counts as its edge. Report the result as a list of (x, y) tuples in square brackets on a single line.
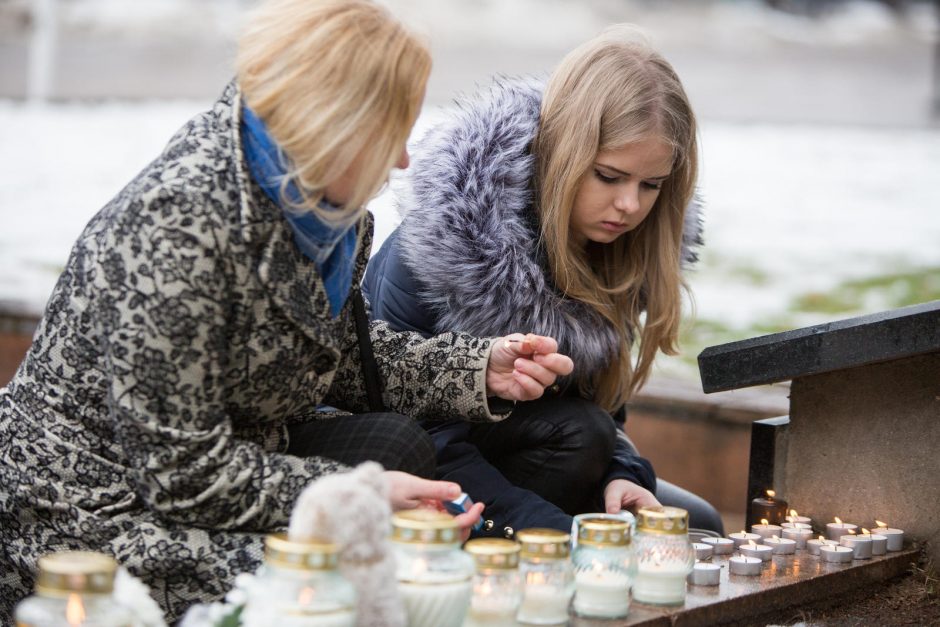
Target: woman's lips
[(614, 227)]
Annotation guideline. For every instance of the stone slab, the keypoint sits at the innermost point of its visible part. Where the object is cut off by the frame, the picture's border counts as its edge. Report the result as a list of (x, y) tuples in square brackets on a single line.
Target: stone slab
[(839, 345), (786, 581)]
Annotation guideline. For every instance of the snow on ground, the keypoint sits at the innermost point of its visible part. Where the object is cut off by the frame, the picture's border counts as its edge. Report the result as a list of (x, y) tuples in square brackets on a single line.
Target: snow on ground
[(801, 207)]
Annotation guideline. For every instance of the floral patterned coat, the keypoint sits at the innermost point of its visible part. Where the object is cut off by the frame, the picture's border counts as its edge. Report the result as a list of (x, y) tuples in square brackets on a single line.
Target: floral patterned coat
[(149, 418)]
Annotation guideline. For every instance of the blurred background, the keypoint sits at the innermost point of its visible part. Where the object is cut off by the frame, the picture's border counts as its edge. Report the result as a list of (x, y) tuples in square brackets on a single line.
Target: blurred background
[(820, 128)]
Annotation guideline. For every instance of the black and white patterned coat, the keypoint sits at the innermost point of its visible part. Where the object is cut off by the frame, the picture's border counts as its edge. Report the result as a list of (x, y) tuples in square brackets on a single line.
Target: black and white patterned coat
[(149, 418)]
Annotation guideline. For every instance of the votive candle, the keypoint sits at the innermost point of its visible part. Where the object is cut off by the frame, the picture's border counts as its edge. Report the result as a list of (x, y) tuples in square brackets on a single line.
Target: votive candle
[(766, 530), (879, 543), (814, 545), (835, 553), (800, 536), (796, 519), (743, 565), (837, 529), (703, 551), (781, 546), (704, 574), (895, 536), (722, 546), (760, 551), (860, 545), (743, 537)]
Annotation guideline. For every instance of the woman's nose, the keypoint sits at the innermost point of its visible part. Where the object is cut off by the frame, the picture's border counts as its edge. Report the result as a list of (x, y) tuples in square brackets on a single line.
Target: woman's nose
[(628, 199), (403, 159)]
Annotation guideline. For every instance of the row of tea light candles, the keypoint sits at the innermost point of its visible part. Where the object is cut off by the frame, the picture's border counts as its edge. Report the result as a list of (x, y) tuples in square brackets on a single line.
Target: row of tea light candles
[(844, 544)]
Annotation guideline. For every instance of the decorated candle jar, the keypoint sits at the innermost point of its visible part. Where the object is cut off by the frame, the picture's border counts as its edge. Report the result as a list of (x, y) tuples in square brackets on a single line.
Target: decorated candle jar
[(547, 577), (664, 555), (73, 588), (299, 586), (497, 585), (604, 566), (434, 575)]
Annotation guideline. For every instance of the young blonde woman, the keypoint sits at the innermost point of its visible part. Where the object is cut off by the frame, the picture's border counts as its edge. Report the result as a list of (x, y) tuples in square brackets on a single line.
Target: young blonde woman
[(166, 412), (568, 210)]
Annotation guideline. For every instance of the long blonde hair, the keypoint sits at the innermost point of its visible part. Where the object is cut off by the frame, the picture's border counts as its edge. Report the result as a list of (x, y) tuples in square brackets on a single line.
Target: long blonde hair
[(609, 92), (333, 80)]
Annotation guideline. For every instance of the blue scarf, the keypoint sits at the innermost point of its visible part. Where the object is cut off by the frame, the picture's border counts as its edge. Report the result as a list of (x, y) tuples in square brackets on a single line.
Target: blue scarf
[(332, 249)]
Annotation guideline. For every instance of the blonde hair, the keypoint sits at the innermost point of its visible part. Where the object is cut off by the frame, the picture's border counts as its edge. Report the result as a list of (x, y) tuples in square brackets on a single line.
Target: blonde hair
[(334, 81), (609, 92)]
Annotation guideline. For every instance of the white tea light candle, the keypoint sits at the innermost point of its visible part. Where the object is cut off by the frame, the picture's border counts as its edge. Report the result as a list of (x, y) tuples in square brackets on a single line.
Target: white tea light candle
[(760, 551), (800, 536), (743, 537), (722, 546), (796, 519), (743, 565), (895, 536), (860, 545), (766, 530), (705, 574), (703, 551), (835, 553), (837, 529), (879, 543), (796, 525), (781, 546), (813, 546)]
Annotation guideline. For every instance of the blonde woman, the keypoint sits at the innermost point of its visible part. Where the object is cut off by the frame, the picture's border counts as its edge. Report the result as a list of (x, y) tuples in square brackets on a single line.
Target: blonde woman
[(568, 210), (166, 412)]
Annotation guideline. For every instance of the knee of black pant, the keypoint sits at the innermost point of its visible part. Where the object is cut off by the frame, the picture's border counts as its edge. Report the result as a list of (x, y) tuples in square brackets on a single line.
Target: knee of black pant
[(410, 447), (587, 436)]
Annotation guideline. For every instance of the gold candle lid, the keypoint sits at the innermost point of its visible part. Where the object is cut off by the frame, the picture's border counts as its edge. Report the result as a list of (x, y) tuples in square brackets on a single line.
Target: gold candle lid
[(538, 543), (69, 572), (424, 526), (668, 520), (494, 553), (306, 555), (604, 532)]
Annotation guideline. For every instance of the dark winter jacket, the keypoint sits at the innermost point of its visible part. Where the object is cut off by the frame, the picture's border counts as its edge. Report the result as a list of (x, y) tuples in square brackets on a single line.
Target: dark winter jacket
[(466, 255)]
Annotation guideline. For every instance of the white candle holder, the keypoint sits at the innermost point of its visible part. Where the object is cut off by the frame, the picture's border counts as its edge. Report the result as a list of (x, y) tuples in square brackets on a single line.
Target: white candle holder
[(760, 551), (800, 536), (744, 565), (604, 566), (704, 574), (781, 546), (835, 553), (743, 538), (497, 585), (722, 546), (860, 545), (664, 555), (547, 576)]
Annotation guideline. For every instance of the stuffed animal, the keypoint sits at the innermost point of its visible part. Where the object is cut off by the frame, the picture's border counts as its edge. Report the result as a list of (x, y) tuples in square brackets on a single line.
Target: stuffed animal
[(352, 511)]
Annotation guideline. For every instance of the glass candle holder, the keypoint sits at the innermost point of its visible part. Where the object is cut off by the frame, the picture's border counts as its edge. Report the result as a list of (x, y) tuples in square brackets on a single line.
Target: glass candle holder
[(497, 584), (664, 555), (434, 575), (73, 588), (298, 586), (604, 566), (547, 577)]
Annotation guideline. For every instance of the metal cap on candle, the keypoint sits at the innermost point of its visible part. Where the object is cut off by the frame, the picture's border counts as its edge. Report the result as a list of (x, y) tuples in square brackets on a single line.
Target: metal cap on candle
[(68, 572), (668, 520), (547, 544), (306, 555), (494, 553), (424, 526), (604, 532)]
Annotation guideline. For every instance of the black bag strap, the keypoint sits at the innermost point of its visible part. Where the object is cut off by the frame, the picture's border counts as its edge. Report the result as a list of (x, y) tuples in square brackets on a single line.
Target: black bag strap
[(370, 368)]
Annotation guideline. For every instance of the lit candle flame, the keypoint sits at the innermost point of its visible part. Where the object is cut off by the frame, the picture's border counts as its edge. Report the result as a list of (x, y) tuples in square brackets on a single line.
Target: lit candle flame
[(771, 493), (764, 521), (743, 532), (881, 524), (851, 532), (751, 543), (865, 532), (535, 578), (821, 538), (793, 513), (75, 610), (838, 520), (306, 595), (776, 538)]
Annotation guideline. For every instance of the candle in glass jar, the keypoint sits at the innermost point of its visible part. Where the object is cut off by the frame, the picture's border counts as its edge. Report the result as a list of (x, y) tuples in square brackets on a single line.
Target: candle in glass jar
[(837, 529), (800, 536), (770, 507), (431, 603), (743, 565), (660, 584), (765, 529), (760, 551), (743, 537), (601, 593), (835, 553), (723, 546), (542, 604), (814, 545), (781, 546), (895, 537)]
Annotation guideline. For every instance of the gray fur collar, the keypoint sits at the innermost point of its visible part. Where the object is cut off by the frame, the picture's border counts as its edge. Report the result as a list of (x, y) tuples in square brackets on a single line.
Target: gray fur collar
[(469, 234)]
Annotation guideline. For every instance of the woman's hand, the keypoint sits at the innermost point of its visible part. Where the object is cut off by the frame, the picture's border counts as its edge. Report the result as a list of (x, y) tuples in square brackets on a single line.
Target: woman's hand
[(407, 491), (522, 366), (622, 494)]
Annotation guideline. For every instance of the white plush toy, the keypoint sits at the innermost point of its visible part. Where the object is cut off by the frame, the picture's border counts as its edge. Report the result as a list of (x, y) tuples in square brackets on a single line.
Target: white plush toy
[(352, 511)]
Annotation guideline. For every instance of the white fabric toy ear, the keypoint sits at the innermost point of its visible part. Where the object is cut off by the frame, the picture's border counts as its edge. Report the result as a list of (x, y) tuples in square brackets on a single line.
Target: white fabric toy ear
[(352, 511)]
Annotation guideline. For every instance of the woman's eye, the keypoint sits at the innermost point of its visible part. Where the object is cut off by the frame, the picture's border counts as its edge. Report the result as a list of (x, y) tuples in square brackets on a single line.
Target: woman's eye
[(653, 185), (604, 178)]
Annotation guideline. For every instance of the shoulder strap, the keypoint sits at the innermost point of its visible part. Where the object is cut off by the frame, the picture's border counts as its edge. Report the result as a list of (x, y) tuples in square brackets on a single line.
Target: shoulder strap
[(370, 368)]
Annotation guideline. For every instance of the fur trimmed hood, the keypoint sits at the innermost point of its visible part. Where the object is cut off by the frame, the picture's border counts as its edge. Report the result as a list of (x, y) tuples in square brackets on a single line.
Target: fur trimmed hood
[(469, 234)]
